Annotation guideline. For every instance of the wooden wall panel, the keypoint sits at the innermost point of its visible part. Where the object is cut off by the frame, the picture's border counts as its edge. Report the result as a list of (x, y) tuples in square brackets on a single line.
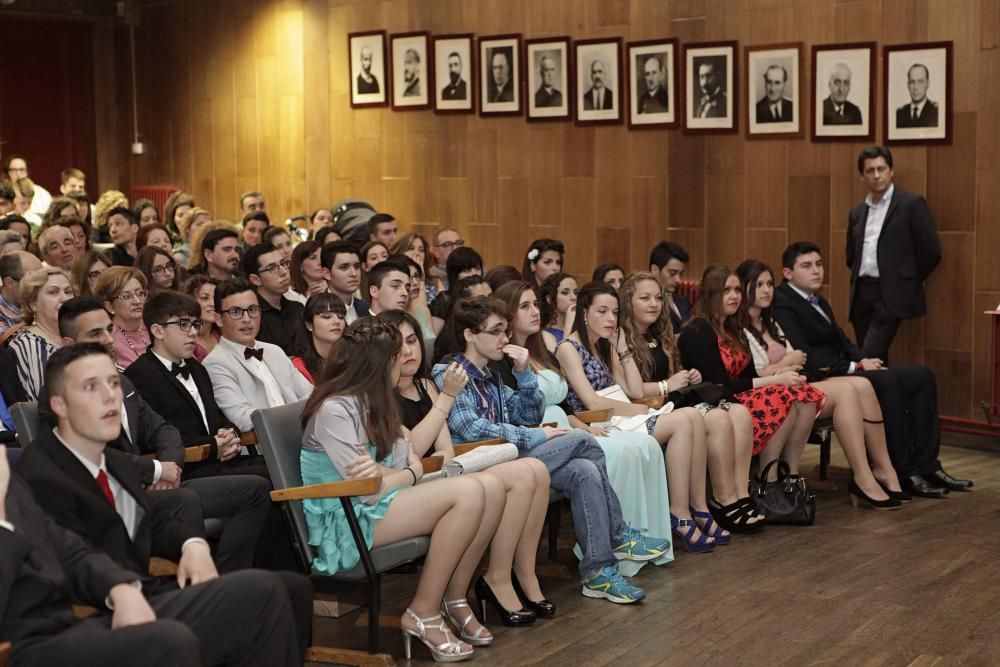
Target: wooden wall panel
[(255, 95)]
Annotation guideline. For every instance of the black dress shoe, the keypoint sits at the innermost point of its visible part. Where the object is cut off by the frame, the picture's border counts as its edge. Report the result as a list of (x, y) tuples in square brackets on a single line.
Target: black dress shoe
[(941, 478), (916, 485)]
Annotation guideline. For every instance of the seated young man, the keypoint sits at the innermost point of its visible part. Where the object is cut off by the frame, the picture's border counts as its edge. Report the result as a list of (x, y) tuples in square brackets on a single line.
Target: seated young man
[(123, 227), (255, 223), (220, 255), (389, 286), (667, 261), (94, 502), (279, 317), (343, 262), (177, 387), (248, 374), (907, 393), (486, 409)]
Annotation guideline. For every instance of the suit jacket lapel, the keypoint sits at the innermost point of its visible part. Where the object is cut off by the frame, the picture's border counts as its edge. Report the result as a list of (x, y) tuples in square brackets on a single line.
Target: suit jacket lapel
[(177, 386), (893, 205), (132, 413), (69, 464)]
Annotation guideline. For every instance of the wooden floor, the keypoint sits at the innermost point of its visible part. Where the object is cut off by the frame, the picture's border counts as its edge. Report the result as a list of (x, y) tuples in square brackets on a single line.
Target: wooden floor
[(918, 586)]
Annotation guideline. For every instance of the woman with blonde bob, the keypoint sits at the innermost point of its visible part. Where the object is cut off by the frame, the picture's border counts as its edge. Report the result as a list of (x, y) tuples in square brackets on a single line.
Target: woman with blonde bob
[(43, 292)]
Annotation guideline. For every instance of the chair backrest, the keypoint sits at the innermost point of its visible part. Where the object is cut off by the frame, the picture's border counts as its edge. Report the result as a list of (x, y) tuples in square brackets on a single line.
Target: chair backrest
[(280, 435), (26, 422)]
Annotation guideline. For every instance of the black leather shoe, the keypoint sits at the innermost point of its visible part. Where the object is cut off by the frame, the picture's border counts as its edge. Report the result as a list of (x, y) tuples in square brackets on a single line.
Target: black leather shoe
[(916, 485), (941, 478)]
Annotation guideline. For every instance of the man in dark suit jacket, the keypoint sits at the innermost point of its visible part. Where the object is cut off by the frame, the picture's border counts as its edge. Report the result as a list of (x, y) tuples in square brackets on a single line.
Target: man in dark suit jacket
[(598, 96), (667, 261), (547, 94), (907, 394), (96, 493), (774, 107), (456, 89), (837, 109), (279, 317), (919, 111), (892, 246), (502, 89)]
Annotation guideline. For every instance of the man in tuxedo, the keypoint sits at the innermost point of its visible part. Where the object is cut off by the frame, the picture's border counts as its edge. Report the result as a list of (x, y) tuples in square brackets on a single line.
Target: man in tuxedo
[(367, 82), (248, 374), (94, 493), (279, 316), (907, 394), (919, 111), (774, 107), (654, 98), (667, 261), (502, 89), (343, 263), (837, 109), (598, 97), (547, 94), (242, 501), (892, 246), (456, 89)]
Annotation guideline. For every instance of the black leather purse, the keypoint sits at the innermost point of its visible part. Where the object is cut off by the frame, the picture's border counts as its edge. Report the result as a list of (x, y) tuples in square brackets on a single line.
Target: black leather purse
[(695, 394), (785, 501)]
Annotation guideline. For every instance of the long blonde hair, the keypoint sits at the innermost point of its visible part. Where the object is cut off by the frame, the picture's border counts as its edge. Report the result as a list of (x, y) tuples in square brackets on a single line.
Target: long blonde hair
[(661, 330)]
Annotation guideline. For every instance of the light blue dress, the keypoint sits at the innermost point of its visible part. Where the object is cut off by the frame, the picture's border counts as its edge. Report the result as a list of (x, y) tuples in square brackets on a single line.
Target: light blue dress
[(635, 467)]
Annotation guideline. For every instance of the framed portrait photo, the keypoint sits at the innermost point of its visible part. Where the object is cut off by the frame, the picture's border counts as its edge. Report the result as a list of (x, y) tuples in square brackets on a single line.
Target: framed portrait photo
[(454, 74), (917, 93), (653, 72), (500, 75), (710, 88), (598, 81), (843, 81), (366, 53), (548, 78), (775, 103), (411, 68)]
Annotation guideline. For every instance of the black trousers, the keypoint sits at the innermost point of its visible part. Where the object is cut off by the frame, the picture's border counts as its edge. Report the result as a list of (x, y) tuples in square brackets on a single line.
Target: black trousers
[(242, 619), (907, 395), (874, 326), (244, 502)]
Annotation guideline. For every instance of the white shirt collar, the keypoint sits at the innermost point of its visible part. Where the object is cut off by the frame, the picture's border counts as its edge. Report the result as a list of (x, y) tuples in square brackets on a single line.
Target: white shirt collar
[(886, 198), (166, 362), (88, 464), (804, 294)]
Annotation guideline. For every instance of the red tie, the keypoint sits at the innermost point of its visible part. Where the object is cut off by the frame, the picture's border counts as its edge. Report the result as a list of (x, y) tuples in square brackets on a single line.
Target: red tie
[(102, 481)]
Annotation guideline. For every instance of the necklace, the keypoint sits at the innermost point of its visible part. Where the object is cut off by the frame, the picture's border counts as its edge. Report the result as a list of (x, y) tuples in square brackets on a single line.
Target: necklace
[(143, 339), (652, 342)]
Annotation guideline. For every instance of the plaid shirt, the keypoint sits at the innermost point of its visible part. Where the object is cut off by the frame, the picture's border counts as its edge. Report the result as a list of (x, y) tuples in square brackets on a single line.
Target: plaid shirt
[(9, 314), (486, 408)]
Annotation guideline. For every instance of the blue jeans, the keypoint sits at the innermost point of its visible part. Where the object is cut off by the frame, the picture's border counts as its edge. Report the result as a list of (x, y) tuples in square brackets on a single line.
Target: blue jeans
[(576, 464)]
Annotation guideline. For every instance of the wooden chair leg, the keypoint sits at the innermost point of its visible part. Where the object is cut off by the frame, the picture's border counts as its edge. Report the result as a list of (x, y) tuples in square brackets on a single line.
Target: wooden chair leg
[(554, 514)]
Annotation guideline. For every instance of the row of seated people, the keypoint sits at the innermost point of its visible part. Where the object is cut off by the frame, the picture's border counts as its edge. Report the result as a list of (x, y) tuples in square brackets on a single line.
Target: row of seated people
[(640, 355)]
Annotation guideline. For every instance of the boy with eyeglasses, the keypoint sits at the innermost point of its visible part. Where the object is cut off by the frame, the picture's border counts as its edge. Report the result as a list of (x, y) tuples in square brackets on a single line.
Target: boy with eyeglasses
[(248, 374), (268, 272)]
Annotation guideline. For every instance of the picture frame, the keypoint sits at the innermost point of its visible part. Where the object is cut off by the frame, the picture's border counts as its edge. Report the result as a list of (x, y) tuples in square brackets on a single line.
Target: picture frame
[(411, 64), (843, 98), (454, 74), (368, 67), (917, 89), (500, 82), (548, 79), (775, 105), (598, 98), (653, 74), (711, 88)]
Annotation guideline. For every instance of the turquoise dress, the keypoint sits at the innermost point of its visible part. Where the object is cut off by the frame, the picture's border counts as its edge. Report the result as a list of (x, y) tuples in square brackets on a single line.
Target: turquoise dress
[(635, 468)]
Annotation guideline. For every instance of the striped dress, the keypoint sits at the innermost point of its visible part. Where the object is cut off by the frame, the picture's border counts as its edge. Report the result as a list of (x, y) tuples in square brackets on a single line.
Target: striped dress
[(32, 352)]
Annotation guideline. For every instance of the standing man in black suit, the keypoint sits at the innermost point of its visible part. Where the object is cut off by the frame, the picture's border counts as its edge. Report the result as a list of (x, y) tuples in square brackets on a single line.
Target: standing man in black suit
[(598, 96), (774, 107), (892, 246), (837, 109), (94, 492), (907, 394), (919, 111), (667, 261), (456, 89), (502, 89)]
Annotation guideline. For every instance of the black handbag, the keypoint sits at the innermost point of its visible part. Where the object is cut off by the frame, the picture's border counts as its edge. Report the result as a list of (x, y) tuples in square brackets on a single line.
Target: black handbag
[(695, 394), (785, 501)]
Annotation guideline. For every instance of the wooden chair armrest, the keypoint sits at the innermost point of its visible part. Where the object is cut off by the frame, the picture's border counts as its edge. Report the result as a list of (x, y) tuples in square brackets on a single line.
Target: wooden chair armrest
[(469, 446), (590, 416), (197, 453), (654, 402), (346, 488), (249, 438), (431, 463)]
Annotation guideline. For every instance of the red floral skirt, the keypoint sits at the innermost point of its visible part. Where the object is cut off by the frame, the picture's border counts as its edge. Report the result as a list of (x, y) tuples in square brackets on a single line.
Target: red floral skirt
[(769, 406)]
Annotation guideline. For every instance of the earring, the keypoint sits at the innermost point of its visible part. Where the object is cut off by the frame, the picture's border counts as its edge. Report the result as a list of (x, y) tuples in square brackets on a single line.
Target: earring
[(584, 321)]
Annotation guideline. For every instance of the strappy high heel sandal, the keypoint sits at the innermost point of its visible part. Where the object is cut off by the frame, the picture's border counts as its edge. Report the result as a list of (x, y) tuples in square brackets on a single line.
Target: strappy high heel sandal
[(476, 638), (446, 651), (720, 534), (699, 546), (735, 517)]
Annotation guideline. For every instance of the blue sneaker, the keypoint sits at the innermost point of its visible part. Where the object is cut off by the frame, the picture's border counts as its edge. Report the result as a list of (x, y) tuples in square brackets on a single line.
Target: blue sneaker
[(611, 585), (638, 547)]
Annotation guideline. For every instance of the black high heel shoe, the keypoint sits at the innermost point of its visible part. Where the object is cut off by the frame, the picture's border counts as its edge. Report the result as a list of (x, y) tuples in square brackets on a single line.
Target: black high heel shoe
[(542, 609), (888, 504), (901, 496), (485, 594)]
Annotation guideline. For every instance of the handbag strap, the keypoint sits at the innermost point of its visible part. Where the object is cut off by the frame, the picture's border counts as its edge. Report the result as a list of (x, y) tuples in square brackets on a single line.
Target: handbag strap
[(784, 472)]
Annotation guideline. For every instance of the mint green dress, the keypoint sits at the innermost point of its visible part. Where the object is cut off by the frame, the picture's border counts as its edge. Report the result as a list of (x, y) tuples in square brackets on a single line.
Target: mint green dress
[(635, 468)]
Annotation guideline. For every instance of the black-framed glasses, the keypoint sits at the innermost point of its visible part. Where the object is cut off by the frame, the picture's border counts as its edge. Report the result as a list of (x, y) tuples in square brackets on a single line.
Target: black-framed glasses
[(498, 333), (186, 325), (451, 245), (236, 313), (157, 270), (283, 265), (138, 295)]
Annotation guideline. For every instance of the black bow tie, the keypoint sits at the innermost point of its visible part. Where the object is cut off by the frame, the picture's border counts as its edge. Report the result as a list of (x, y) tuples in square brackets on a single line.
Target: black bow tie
[(181, 369), (249, 352)]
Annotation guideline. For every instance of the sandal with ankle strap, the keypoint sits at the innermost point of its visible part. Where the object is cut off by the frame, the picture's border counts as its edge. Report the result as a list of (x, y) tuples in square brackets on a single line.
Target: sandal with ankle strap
[(446, 651), (476, 638), (699, 546), (720, 534), (735, 517)]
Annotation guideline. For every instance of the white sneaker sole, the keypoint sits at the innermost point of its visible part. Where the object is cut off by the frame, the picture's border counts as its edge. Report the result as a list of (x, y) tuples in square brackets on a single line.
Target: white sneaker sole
[(590, 593)]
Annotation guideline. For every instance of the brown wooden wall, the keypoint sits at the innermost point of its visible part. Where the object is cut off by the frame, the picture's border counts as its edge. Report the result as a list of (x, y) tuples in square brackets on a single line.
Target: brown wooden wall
[(238, 95)]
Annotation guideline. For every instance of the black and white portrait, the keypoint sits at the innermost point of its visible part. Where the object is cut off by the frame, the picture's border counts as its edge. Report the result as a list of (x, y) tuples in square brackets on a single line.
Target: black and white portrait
[(548, 82), (652, 83), (710, 69), (843, 99), (499, 76), (454, 72), (772, 90), (411, 65), (917, 91), (366, 53), (598, 81)]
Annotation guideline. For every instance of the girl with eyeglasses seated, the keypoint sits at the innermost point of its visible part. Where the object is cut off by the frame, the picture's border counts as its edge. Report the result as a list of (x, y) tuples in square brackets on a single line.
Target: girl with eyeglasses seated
[(123, 290), (159, 268), (86, 269), (323, 322)]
